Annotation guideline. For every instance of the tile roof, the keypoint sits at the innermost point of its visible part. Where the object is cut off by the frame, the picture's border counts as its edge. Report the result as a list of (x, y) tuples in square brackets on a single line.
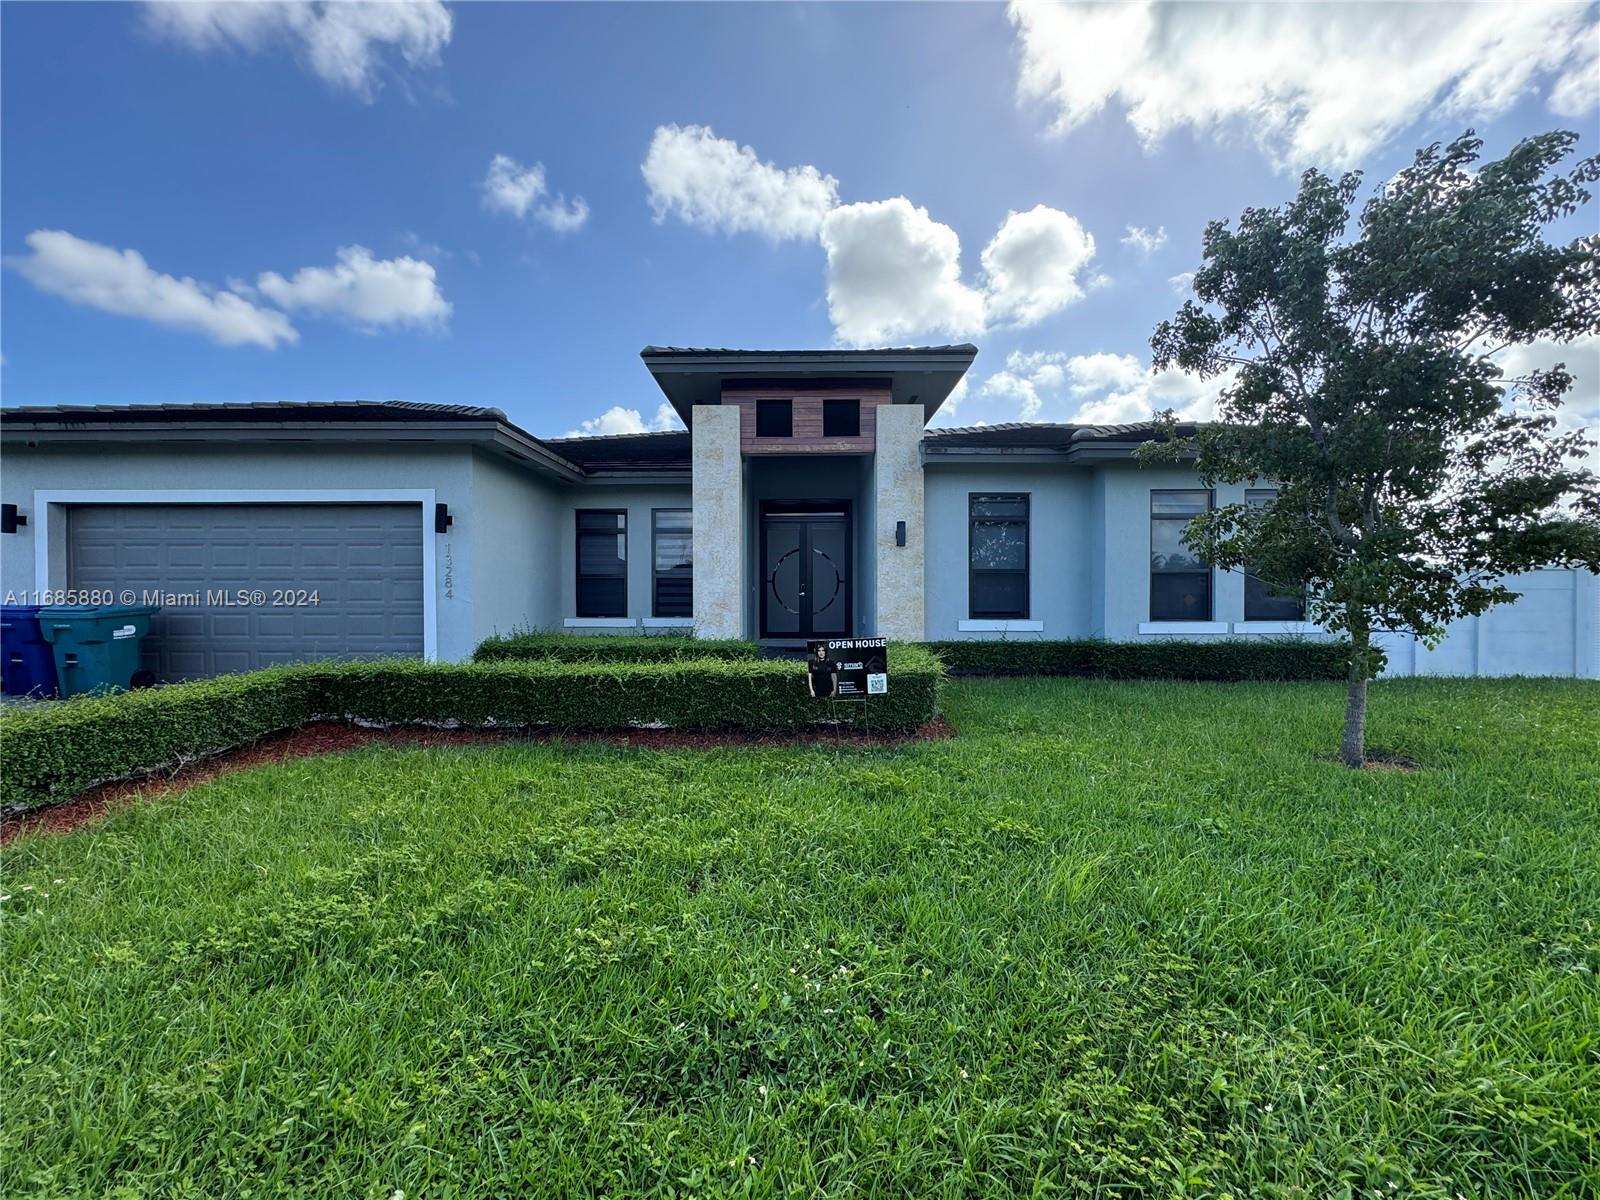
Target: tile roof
[(333, 410), (665, 450), (962, 348)]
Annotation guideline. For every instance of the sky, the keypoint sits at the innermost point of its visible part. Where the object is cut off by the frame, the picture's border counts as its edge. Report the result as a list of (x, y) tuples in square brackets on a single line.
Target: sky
[(501, 204)]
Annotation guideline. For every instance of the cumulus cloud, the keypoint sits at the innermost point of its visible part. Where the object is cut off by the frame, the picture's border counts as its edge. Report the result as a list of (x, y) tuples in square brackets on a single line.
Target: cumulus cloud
[(719, 186), (510, 187), (1181, 284), (1032, 265), (617, 419), (1319, 84), (121, 282), (347, 43), (894, 271), (1145, 241), (1097, 389), (367, 292)]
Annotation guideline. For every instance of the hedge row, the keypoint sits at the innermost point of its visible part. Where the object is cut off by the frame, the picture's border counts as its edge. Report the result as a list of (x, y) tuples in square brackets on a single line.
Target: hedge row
[(54, 751), (609, 648), (1226, 661)]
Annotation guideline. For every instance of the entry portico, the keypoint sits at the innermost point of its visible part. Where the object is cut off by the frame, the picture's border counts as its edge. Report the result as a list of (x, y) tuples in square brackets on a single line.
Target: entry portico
[(807, 485)]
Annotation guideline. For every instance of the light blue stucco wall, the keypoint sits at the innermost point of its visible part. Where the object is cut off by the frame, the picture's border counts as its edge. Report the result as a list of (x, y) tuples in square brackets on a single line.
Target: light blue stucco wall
[(201, 467), (513, 523), (1062, 546), (637, 501)]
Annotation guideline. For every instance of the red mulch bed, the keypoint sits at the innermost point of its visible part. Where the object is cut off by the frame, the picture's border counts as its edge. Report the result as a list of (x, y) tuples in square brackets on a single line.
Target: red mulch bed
[(329, 737)]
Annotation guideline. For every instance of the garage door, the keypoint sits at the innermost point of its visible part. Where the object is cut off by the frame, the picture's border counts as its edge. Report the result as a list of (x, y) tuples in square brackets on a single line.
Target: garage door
[(363, 562)]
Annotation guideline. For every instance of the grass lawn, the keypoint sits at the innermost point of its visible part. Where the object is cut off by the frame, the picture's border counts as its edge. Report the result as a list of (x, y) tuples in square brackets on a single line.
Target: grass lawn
[(1112, 940)]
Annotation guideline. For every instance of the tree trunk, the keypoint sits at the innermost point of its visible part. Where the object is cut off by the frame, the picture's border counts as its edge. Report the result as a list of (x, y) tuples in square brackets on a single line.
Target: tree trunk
[(1353, 750)]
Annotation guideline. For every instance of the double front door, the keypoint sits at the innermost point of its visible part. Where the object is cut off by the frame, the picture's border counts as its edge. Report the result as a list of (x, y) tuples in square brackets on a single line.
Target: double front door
[(805, 570)]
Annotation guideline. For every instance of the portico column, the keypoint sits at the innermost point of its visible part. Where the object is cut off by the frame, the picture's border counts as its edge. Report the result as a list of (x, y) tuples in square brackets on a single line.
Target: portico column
[(897, 482), (718, 522)]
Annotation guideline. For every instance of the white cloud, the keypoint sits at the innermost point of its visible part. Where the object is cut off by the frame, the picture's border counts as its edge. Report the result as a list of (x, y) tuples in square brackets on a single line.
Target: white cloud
[(1182, 284), (1032, 265), (1097, 389), (893, 271), (617, 419), (513, 188), (1145, 241), (719, 186), (369, 293), (1580, 408), (345, 42), (1324, 84), (121, 282)]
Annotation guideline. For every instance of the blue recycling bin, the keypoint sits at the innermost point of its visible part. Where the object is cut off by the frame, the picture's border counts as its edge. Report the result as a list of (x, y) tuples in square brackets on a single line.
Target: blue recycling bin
[(96, 645), (27, 661)]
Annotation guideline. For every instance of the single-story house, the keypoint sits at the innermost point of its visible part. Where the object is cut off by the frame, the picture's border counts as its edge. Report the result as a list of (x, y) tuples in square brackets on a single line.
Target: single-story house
[(807, 497)]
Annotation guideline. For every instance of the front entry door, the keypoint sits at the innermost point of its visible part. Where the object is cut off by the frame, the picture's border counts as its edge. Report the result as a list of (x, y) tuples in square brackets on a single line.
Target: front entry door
[(805, 570)]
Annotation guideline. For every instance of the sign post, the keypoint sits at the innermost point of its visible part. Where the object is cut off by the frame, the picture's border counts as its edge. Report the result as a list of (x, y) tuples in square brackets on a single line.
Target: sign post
[(848, 668)]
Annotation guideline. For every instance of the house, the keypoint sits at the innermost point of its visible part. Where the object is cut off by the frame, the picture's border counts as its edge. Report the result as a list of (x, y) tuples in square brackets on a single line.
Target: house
[(807, 498)]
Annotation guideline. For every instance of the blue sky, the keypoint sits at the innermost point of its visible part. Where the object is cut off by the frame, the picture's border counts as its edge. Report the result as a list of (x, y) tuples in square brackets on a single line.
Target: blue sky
[(297, 202)]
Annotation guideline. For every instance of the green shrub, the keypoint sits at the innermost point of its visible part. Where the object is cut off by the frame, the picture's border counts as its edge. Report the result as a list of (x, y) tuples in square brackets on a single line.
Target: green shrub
[(53, 751), (617, 648), (1224, 660)]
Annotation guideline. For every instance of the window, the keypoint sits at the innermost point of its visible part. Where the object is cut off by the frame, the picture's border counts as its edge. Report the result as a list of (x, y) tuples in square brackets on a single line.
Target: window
[(774, 418), (997, 547), (841, 418), (1180, 582), (602, 562), (672, 552), (1263, 602)]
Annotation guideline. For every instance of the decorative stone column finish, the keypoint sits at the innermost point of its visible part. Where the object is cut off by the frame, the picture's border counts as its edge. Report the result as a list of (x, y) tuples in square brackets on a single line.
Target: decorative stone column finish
[(897, 480), (718, 471)]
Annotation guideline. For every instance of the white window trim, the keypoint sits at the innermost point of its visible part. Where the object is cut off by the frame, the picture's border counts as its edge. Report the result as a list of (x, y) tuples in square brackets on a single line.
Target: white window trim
[(45, 501), (1003, 626), (668, 622), (1183, 627), (601, 622), (1278, 628)]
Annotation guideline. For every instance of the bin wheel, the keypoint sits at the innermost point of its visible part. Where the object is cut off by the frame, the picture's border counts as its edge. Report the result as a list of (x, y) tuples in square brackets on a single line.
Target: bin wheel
[(143, 679)]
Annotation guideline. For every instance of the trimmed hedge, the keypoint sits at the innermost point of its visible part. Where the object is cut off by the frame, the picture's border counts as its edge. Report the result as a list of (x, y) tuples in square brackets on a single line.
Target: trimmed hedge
[(1224, 660), (607, 648), (54, 751)]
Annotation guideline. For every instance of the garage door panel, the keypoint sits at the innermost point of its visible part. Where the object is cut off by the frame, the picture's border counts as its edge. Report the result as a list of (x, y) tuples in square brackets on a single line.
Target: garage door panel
[(363, 561)]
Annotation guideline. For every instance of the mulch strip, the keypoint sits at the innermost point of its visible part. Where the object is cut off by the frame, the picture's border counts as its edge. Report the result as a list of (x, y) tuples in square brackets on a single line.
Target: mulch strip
[(330, 737)]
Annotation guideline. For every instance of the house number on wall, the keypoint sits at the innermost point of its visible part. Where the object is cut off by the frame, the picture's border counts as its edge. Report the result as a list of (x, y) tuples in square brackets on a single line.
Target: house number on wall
[(449, 574)]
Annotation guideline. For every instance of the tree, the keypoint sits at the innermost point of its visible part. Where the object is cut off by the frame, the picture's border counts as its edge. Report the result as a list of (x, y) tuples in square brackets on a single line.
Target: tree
[(1412, 475)]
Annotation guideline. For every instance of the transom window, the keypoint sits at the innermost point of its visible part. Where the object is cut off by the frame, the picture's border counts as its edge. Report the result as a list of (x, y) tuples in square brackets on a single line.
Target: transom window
[(672, 552), (602, 562), (1262, 600), (997, 548), (1180, 580), (775, 418)]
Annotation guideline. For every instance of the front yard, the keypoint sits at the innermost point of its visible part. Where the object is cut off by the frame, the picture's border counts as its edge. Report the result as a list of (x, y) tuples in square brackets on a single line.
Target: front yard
[(1113, 939)]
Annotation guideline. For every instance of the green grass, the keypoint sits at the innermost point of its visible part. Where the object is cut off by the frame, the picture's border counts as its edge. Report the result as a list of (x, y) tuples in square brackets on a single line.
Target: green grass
[(1113, 940)]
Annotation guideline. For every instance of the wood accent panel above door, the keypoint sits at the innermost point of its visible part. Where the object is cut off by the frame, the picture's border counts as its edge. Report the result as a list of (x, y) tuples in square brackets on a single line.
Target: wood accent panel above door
[(806, 433)]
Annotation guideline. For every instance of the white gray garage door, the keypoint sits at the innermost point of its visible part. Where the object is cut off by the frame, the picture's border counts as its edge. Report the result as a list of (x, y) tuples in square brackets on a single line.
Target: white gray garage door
[(363, 562)]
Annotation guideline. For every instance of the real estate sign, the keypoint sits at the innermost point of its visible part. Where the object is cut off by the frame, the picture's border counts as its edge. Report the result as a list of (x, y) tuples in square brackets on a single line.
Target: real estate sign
[(848, 668)]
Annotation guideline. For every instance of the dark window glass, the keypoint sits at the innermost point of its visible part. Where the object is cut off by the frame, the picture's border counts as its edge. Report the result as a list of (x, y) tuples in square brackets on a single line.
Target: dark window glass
[(1180, 582), (1262, 600), (672, 534), (841, 418), (997, 543), (774, 418), (602, 563)]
